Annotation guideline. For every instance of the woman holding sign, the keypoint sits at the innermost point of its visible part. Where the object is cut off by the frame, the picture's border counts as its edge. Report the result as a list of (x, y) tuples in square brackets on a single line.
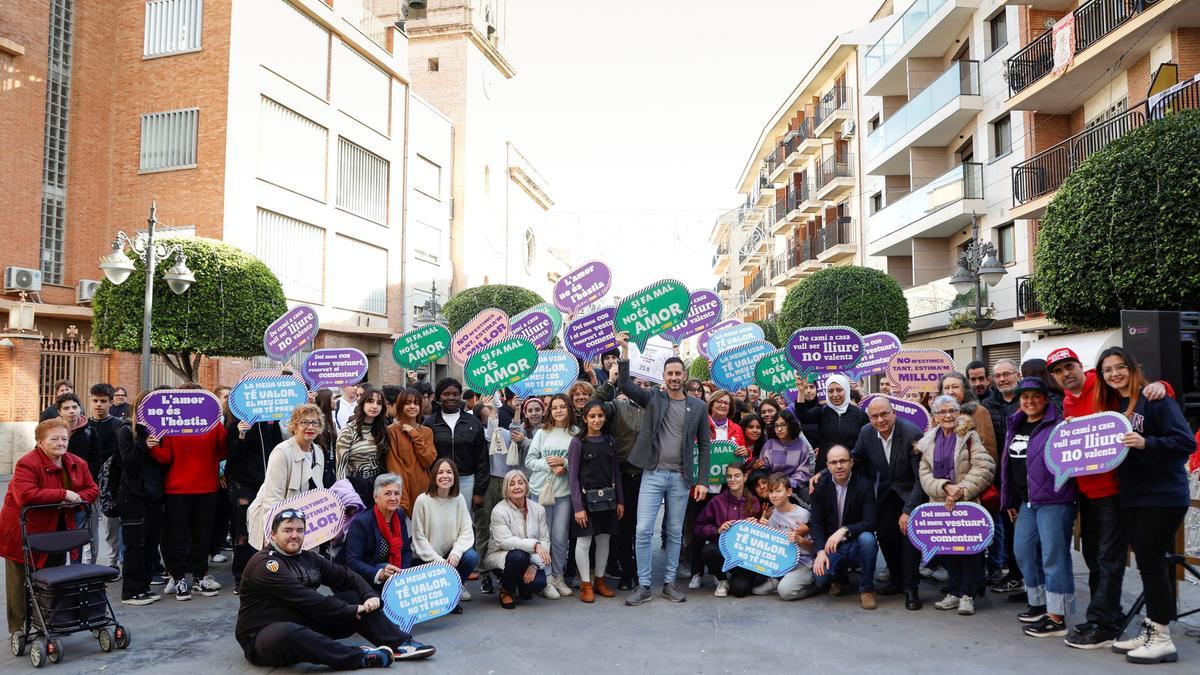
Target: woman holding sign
[(520, 543), (1154, 494), (596, 497), (441, 524), (837, 422), (295, 465), (549, 484), (788, 452), (363, 443), (720, 513)]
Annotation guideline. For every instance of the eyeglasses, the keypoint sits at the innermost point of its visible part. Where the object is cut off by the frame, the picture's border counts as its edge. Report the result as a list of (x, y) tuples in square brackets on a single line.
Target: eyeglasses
[(945, 413), (309, 423), (1120, 367)]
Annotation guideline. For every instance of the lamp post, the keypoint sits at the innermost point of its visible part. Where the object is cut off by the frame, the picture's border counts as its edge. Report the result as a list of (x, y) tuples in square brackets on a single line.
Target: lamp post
[(427, 313), (977, 266), (117, 267)]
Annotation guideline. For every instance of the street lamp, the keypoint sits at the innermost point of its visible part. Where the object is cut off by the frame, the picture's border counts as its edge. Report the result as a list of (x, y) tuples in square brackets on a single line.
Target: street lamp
[(117, 267), (977, 265), (430, 312)]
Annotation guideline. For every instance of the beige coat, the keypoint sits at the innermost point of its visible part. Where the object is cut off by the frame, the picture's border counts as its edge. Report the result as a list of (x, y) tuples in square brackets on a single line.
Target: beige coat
[(973, 466), (511, 530), (288, 471)]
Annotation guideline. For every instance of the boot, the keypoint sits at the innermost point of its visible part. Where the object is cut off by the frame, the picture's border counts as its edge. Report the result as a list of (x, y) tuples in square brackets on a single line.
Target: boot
[(585, 592), (601, 587), (1130, 644), (1158, 647)]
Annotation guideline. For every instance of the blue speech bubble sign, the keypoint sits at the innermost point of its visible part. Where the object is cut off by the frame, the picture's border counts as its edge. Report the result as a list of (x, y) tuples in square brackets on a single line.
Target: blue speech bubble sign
[(421, 593), (1086, 445), (734, 369), (726, 339), (266, 395), (702, 341), (964, 530), (556, 370), (758, 548)]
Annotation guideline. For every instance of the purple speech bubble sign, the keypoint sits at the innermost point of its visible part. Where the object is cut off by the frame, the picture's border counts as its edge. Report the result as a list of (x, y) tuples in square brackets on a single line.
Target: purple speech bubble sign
[(486, 328), (964, 530), (333, 367), (1086, 445), (918, 369), (582, 286), (905, 410), (706, 336), (533, 325), (704, 310), (289, 333), (179, 412), (592, 334), (324, 516), (878, 349), (828, 349)]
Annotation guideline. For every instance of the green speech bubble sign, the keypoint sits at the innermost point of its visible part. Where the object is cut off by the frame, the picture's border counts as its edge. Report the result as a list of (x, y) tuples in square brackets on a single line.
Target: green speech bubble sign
[(497, 366), (774, 373), (652, 310), (421, 345)]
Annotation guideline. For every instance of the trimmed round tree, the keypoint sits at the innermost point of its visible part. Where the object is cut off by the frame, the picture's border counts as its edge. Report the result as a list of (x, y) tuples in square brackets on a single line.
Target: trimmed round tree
[(699, 368), (770, 332), (224, 313), (465, 305), (1121, 232), (863, 298)]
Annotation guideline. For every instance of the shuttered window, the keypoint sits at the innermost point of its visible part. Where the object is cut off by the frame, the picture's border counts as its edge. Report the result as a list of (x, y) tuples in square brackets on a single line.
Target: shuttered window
[(361, 282), (362, 184), (295, 252), (994, 353), (169, 140), (172, 27), (291, 150)]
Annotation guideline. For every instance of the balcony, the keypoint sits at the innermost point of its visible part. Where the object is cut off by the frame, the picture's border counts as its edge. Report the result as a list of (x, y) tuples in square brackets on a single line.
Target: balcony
[(835, 177), (930, 305), (791, 152), (928, 28), (1106, 32), (758, 290), (807, 256), (721, 259), (836, 241), (1027, 304), (934, 210), (788, 210), (932, 118), (753, 246), (763, 191), (836, 107)]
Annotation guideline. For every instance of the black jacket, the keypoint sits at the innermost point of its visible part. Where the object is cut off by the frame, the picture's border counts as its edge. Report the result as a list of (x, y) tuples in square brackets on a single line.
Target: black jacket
[(141, 476), (84, 443), (646, 453), (106, 433), (246, 466), (806, 413), (283, 588), (902, 474), (858, 513), (465, 446), (832, 428), (49, 413)]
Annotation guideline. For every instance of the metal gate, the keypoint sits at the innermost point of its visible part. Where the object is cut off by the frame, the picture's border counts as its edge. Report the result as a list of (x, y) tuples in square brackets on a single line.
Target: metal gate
[(77, 360)]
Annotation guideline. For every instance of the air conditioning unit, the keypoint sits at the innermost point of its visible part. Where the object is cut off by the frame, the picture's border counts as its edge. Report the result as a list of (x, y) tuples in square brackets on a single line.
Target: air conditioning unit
[(86, 291), (848, 130), (22, 279)]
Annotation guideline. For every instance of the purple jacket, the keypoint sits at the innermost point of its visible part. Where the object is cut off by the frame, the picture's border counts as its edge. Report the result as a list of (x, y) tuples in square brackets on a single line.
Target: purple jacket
[(725, 507), (1039, 478)]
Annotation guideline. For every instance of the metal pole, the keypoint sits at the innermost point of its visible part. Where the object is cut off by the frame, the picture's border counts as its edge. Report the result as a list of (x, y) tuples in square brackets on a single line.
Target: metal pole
[(975, 250), (978, 320), (149, 261)]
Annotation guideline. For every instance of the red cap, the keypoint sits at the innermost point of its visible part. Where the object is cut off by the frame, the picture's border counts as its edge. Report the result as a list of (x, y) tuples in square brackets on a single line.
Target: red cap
[(1061, 355)]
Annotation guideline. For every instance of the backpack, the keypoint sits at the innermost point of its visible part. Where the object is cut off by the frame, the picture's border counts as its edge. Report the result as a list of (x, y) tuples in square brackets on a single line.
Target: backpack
[(109, 483)]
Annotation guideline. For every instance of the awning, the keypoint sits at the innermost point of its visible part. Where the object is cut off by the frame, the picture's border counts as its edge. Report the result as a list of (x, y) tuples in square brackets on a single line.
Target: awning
[(1087, 345)]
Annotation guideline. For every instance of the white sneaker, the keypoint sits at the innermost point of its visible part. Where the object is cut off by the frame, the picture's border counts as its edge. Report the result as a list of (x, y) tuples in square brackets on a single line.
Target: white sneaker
[(560, 585), (208, 586), (695, 583), (219, 558), (550, 592), (966, 605), (466, 596), (951, 601), (925, 572), (766, 588), (940, 574), (169, 589), (1158, 648), (1129, 644), (722, 588)]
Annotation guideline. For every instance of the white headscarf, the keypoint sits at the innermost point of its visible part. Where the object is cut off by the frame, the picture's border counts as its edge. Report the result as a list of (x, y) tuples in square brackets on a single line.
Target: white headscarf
[(844, 381)]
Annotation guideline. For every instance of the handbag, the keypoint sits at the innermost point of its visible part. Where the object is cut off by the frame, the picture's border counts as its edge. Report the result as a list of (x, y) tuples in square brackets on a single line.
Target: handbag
[(990, 499), (600, 499)]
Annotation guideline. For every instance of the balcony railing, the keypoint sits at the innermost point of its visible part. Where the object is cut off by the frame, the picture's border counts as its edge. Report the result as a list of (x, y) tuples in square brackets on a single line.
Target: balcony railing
[(1027, 304), (961, 182), (835, 233), (1093, 20), (757, 281), (807, 251), (837, 98), (893, 40), (835, 167), (791, 141), (756, 190), (961, 79)]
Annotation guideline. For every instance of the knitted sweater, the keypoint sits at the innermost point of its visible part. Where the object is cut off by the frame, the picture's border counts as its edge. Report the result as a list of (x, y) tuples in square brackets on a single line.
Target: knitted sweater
[(441, 526)]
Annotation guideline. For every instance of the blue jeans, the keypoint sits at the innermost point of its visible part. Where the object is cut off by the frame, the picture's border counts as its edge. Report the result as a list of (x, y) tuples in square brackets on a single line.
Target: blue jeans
[(862, 551), (996, 552), (559, 516), (658, 487), (1042, 546), (467, 564), (466, 488)]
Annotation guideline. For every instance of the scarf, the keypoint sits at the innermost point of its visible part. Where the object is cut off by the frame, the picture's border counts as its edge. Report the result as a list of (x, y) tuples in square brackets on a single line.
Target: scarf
[(393, 534), (943, 454), (844, 382)]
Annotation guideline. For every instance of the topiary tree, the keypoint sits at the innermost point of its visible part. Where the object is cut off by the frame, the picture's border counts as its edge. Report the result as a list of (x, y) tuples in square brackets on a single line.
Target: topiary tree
[(1121, 232), (224, 313), (865, 299), (699, 368), (465, 305), (770, 331)]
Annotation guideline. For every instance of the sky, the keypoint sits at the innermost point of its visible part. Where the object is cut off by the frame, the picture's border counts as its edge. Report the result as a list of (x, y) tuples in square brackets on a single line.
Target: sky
[(641, 115)]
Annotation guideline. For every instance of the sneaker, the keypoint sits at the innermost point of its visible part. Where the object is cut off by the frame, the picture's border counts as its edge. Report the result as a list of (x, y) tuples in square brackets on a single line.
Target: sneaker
[(966, 605), (1126, 646), (218, 558), (1046, 627), (672, 593), (722, 589), (941, 575), (766, 588), (143, 598), (694, 584), (169, 589), (485, 584), (640, 595), (183, 591), (377, 657), (1158, 647), (237, 588), (1032, 615), (550, 592), (413, 651), (948, 602), (1091, 637), (1009, 585), (560, 584), (464, 597), (208, 586), (684, 571), (157, 580)]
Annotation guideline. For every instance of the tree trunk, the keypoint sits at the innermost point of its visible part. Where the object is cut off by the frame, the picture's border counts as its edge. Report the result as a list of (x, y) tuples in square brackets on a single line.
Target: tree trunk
[(183, 364)]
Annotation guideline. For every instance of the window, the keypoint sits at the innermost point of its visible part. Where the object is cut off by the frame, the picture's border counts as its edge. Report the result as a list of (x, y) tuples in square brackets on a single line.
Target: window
[(295, 252), (427, 178), (291, 150), (998, 31), (1006, 243), (295, 47), (366, 289), (362, 182), (169, 140), (172, 27), (1001, 136), (426, 242), (433, 65), (361, 90), (873, 124), (876, 203), (54, 151)]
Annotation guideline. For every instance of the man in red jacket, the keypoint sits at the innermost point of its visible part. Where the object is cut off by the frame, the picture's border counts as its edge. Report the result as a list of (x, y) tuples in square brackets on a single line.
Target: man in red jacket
[(1103, 538)]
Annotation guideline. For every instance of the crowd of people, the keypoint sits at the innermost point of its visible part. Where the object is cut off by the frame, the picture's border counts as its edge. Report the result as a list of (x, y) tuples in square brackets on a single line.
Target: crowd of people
[(560, 496)]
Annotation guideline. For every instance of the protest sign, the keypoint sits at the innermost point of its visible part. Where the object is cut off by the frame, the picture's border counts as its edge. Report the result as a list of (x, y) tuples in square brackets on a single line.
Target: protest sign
[(582, 286), (556, 370), (878, 349), (647, 364), (652, 310), (500, 365), (486, 328), (1086, 445), (734, 369), (421, 593), (334, 367), (733, 336), (905, 410), (826, 349), (322, 516), (704, 310), (289, 333), (720, 455), (758, 548), (536, 325), (935, 530), (774, 373), (591, 334), (421, 345), (266, 395), (706, 337), (179, 412), (918, 369)]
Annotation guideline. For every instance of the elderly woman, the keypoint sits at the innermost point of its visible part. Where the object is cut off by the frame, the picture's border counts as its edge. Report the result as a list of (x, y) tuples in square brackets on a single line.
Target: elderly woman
[(441, 523), (47, 475), (955, 466), (520, 544), (295, 465), (377, 542), (836, 423)]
